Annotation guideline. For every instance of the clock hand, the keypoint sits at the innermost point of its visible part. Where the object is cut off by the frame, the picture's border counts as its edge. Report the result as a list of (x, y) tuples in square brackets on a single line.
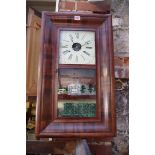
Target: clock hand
[(86, 43)]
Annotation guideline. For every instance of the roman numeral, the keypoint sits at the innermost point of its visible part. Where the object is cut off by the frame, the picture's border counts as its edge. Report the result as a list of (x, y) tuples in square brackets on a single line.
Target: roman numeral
[(65, 52), (76, 58), (70, 57), (66, 40), (87, 43), (77, 35), (86, 53), (65, 46), (83, 57), (83, 36), (71, 37)]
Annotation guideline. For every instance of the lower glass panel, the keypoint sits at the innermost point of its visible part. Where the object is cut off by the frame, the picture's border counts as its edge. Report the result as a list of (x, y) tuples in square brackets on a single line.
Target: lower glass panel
[(77, 108), (76, 90)]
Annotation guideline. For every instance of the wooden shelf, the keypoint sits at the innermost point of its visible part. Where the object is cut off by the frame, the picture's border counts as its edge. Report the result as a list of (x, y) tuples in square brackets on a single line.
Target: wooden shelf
[(71, 97)]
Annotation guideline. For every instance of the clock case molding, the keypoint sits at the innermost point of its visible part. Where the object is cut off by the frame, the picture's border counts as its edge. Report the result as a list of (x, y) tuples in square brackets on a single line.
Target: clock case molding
[(47, 122)]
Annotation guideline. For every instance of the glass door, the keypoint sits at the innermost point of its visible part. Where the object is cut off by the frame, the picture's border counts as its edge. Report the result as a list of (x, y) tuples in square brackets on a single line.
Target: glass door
[(76, 92)]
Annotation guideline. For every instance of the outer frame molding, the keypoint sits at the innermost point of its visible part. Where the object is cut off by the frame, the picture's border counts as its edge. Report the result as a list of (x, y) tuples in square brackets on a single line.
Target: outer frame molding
[(45, 123)]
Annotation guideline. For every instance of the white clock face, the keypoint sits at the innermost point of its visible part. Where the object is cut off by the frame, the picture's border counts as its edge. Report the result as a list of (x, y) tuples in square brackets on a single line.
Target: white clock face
[(77, 47)]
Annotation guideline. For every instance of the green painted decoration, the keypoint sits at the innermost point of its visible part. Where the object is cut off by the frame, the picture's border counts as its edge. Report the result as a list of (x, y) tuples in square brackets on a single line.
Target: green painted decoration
[(78, 110)]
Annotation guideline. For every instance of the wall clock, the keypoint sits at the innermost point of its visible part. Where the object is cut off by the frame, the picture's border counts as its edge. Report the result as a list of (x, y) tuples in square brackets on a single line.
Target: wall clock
[(76, 77)]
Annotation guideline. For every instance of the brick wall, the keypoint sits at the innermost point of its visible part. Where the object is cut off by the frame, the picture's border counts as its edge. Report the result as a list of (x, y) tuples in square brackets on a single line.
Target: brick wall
[(120, 13)]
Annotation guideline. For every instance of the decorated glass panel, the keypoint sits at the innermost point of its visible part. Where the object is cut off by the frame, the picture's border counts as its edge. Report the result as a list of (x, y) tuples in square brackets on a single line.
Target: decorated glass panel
[(76, 92)]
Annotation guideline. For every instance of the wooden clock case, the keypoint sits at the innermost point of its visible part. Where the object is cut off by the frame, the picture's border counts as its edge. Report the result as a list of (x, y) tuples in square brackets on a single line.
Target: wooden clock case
[(48, 124)]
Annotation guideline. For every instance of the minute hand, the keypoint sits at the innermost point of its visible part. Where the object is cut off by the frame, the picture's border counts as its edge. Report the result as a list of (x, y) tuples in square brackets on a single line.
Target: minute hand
[(86, 43)]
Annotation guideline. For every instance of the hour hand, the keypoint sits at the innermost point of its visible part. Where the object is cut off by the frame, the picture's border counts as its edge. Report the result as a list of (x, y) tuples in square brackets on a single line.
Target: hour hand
[(66, 51)]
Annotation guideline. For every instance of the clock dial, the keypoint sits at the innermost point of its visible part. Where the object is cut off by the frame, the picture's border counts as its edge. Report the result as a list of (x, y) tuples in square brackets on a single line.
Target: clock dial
[(77, 47)]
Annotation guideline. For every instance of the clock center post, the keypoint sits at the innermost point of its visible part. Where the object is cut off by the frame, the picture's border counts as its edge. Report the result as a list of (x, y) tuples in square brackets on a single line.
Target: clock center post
[(76, 46)]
